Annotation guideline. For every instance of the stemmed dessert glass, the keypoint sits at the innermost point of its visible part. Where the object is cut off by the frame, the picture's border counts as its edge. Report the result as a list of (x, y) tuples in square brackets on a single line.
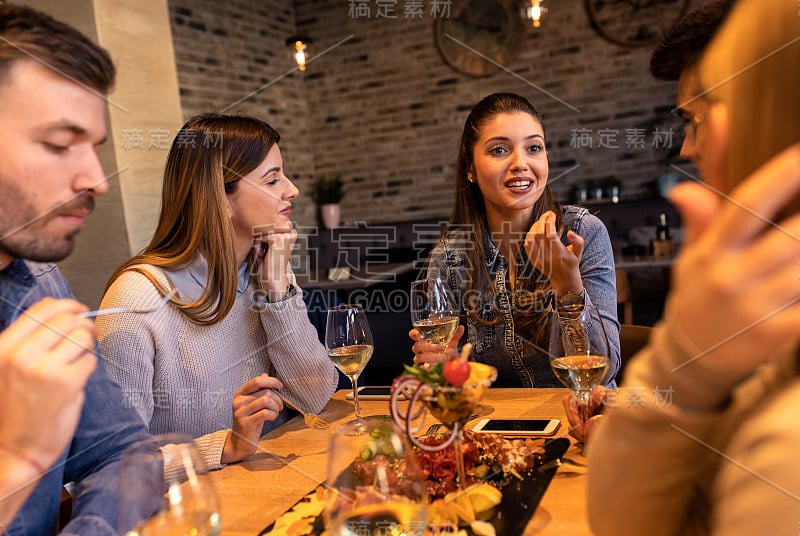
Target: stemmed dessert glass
[(434, 311), (375, 484), (348, 340), (453, 404), (187, 504), (450, 404), (579, 352)]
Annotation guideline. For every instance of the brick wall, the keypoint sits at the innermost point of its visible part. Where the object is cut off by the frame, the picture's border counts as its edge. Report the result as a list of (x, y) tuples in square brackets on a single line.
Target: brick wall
[(384, 111), (388, 111), (231, 57)]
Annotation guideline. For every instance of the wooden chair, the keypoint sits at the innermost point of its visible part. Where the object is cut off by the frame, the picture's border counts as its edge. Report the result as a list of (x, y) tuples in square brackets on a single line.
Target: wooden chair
[(65, 508), (632, 338), (624, 297)]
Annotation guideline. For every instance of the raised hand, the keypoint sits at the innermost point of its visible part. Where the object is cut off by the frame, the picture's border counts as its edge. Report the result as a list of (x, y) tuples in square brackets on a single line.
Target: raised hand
[(272, 249), (253, 404), (735, 297), (46, 358), (558, 262)]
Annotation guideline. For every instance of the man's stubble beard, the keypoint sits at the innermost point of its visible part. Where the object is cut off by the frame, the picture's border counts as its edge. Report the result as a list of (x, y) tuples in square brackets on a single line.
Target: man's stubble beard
[(26, 236)]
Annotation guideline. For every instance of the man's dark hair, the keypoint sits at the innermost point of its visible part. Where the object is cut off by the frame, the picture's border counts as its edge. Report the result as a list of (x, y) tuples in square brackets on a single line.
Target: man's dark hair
[(27, 34), (683, 45)]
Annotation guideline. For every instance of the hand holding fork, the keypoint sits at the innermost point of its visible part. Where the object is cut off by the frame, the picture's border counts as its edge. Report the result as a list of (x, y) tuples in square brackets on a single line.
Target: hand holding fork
[(312, 420)]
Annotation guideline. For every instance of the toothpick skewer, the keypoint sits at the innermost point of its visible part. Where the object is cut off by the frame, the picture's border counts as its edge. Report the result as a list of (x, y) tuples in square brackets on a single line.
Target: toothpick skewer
[(465, 351)]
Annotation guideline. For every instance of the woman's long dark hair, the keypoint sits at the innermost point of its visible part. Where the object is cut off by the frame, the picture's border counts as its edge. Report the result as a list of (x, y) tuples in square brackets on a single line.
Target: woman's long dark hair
[(469, 216)]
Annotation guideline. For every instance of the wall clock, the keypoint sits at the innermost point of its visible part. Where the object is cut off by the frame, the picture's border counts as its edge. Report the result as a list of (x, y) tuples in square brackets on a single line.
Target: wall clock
[(634, 23), (476, 28)]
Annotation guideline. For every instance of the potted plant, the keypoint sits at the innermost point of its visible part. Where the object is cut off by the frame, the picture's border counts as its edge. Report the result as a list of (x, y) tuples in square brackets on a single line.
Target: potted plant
[(328, 193)]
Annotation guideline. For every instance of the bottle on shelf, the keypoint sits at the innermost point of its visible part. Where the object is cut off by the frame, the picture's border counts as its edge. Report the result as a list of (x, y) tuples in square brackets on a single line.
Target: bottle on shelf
[(662, 245)]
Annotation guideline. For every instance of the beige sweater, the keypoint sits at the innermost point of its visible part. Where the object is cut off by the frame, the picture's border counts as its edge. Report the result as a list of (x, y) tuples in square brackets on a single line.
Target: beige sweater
[(714, 457), (182, 377)]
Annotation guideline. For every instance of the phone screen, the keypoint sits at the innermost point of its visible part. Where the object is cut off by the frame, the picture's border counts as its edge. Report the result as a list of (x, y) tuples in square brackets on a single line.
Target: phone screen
[(516, 425), (375, 391), (372, 392)]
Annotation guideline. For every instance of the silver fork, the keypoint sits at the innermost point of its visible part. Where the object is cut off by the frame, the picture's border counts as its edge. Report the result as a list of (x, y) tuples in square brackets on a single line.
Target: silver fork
[(312, 420), (432, 429), (558, 462), (139, 310)]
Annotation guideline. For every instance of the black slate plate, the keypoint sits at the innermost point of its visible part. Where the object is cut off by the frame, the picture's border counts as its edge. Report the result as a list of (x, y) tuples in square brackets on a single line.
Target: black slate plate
[(520, 497)]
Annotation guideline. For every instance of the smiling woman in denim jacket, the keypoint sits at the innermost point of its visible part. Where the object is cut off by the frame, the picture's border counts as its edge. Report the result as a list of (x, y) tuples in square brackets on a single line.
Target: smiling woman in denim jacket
[(510, 250)]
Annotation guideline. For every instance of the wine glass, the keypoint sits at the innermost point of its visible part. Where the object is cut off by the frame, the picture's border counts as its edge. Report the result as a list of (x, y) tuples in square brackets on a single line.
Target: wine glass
[(579, 352), (185, 503), (349, 344), (375, 485), (434, 312), (452, 405)]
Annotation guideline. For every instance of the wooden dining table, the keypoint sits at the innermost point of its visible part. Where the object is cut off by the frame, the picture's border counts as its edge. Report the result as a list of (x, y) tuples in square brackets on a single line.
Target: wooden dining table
[(291, 461)]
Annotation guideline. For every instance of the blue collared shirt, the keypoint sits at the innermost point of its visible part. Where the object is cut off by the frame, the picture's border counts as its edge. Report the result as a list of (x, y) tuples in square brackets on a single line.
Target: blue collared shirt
[(192, 281), (106, 427), (521, 358)]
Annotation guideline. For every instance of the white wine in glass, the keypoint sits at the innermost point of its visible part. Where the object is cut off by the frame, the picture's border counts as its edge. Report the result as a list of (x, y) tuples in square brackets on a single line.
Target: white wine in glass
[(348, 341), (434, 312), (579, 351), (351, 359), (186, 505), (581, 373)]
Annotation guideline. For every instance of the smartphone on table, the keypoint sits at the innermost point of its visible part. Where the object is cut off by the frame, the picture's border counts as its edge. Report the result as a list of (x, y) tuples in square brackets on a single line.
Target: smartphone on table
[(372, 392), (518, 427)]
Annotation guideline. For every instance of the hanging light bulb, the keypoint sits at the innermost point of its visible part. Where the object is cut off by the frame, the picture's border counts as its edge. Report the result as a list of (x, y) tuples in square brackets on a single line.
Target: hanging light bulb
[(535, 11), (299, 45)]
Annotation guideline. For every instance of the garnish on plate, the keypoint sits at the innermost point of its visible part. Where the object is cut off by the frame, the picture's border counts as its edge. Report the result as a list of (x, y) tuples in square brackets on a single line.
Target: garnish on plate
[(441, 389), (455, 371)]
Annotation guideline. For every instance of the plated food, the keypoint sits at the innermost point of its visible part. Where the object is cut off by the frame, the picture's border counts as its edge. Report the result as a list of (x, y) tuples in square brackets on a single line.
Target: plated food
[(487, 457), (504, 478), (467, 477)]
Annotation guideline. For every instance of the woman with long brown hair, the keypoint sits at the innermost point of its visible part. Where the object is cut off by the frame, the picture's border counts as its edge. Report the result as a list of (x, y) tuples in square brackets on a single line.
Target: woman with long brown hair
[(236, 328), (510, 249)]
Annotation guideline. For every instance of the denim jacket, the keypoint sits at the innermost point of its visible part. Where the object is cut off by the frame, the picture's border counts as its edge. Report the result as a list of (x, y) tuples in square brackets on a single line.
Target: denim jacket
[(105, 428), (522, 359)]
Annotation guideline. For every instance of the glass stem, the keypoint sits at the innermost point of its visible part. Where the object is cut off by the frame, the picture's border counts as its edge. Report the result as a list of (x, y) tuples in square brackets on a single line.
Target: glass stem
[(583, 407), (354, 380), (459, 453), (583, 413)]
